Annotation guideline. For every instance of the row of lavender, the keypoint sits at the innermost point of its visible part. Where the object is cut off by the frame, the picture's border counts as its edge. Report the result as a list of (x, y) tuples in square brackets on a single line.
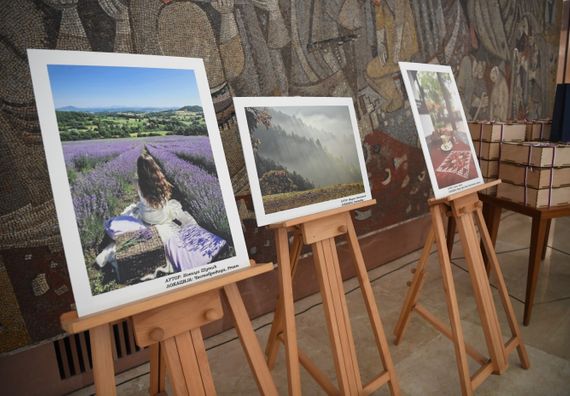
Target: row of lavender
[(103, 192), (199, 186), (102, 177), (93, 151)]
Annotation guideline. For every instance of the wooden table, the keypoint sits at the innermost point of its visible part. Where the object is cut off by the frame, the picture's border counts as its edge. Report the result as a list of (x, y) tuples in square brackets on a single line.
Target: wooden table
[(541, 219)]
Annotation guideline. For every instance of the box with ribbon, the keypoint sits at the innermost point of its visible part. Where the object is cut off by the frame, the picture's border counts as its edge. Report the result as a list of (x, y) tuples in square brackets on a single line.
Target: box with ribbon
[(535, 173)]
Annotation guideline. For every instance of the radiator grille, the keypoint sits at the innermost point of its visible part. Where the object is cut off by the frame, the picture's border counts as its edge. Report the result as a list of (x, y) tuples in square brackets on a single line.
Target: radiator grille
[(73, 352)]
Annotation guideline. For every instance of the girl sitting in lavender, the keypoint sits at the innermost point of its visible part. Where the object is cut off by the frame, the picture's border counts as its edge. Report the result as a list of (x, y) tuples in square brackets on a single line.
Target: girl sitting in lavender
[(186, 244)]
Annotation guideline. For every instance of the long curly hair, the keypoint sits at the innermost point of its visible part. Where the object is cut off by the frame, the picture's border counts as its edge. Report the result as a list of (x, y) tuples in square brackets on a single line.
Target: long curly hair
[(154, 187)]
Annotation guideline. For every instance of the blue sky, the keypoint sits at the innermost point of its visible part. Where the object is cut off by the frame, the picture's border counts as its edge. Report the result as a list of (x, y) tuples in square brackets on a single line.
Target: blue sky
[(106, 86)]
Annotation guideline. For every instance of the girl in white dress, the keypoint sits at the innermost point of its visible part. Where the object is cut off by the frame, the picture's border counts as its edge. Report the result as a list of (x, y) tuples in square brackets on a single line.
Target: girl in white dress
[(156, 208)]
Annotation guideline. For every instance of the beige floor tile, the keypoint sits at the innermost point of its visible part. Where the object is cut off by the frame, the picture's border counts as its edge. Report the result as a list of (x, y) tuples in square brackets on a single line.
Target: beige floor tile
[(553, 279)]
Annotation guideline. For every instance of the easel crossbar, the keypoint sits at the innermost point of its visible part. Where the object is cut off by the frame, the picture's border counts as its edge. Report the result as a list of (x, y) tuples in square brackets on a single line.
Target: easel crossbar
[(178, 349), (486, 368), (511, 345), (376, 383), (74, 324), (442, 328), (321, 378), (481, 375), (318, 375)]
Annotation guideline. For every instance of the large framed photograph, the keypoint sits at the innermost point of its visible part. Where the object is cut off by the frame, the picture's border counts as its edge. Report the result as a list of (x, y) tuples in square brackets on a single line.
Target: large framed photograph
[(442, 128), (303, 155), (139, 178)]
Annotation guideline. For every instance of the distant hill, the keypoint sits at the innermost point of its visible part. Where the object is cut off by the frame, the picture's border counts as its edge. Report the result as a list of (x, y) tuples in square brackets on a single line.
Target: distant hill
[(194, 109), (117, 109), (69, 108)]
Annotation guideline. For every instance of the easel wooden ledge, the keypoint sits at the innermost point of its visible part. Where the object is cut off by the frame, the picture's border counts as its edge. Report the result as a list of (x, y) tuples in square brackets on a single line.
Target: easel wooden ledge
[(319, 231), (170, 323), (466, 209)]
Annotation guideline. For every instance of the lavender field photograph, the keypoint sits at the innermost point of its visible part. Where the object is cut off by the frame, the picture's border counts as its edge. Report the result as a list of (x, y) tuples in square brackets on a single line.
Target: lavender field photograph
[(303, 156), (142, 174)]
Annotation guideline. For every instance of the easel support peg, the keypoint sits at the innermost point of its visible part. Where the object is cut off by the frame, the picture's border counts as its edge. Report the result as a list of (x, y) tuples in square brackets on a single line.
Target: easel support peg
[(157, 334)]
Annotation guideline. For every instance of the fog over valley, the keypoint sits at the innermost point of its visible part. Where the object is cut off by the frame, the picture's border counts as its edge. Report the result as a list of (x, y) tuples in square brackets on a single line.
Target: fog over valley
[(315, 142)]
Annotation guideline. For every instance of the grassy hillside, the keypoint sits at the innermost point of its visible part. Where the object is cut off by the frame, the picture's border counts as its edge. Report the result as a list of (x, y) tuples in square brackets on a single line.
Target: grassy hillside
[(278, 202), (77, 125)]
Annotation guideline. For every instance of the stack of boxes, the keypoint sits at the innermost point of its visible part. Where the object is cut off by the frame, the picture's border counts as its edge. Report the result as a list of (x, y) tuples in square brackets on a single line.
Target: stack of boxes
[(538, 130), (534, 172), (488, 138)]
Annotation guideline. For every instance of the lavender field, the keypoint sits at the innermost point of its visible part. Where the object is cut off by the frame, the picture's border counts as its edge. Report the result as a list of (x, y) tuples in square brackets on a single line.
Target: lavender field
[(103, 178)]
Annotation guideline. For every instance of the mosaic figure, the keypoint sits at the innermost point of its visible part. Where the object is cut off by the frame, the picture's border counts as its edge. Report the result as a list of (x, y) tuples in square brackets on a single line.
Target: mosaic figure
[(120, 13), (396, 41), (472, 88), (71, 35), (498, 107)]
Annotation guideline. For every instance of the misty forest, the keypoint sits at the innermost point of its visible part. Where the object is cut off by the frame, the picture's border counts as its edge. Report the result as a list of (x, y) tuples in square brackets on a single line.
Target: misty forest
[(301, 162)]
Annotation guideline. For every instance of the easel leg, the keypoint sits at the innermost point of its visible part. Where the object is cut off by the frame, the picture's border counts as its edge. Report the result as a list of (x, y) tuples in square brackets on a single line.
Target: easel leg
[(437, 213), (157, 371), (249, 341), (370, 302), (288, 307), (492, 216), (342, 342), (103, 365), (494, 266), (277, 326), (174, 368), (480, 282), (450, 237), (414, 289), (202, 361), (187, 364)]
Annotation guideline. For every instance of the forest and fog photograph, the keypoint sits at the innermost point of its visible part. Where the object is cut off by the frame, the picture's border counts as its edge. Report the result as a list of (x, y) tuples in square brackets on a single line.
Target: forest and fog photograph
[(305, 155), (141, 171)]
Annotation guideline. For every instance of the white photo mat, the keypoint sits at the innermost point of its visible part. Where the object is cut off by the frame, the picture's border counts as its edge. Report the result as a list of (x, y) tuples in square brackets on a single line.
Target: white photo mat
[(86, 302), (305, 104), (466, 158)]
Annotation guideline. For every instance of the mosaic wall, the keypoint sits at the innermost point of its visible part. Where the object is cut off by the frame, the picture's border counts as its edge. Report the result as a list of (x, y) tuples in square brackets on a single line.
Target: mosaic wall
[(503, 53)]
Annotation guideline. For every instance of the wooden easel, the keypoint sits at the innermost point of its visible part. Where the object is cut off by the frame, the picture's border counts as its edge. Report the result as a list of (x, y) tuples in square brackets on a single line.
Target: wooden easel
[(170, 323), (466, 209), (319, 231)]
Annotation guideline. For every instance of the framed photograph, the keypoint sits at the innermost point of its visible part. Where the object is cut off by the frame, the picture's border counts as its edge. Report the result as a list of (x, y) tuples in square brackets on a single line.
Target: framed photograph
[(139, 178), (303, 155), (442, 128)]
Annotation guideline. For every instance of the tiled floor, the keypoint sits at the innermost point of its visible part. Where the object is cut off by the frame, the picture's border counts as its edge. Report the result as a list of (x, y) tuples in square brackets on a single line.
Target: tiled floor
[(425, 360)]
